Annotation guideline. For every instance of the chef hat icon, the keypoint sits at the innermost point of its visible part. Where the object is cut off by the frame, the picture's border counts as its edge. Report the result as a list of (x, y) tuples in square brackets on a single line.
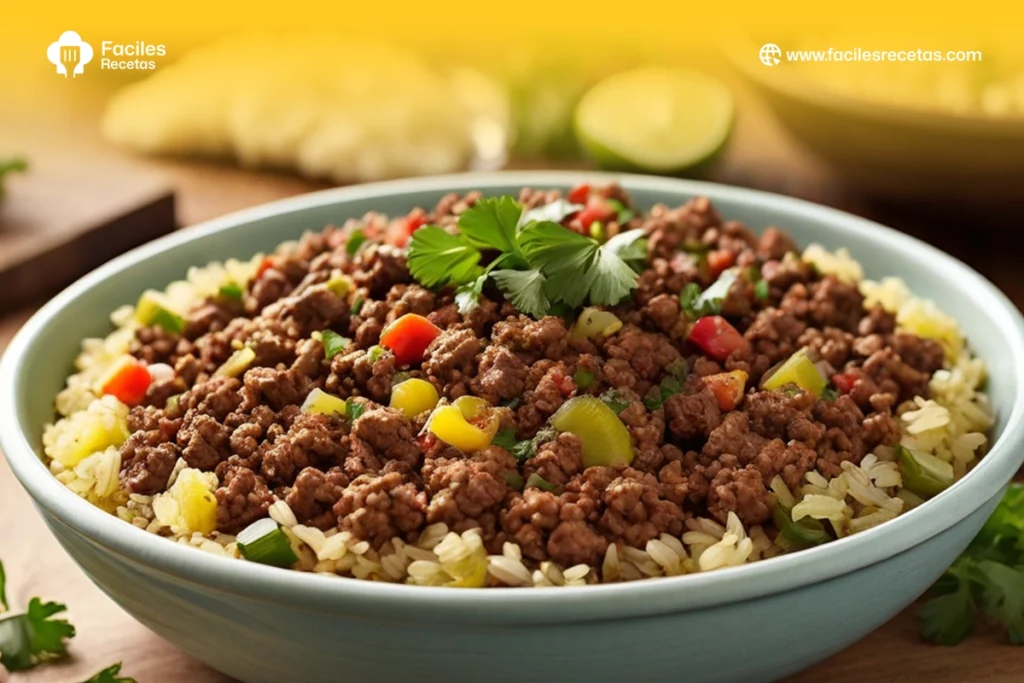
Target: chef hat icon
[(69, 39)]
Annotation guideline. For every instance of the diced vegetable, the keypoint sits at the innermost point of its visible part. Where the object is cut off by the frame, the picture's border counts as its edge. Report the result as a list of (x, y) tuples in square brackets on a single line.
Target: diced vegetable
[(605, 439), (804, 533), (237, 364), (473, 407), (127, 381), (266, 264), (596, 211), (596, 231), (319, 402), (623, 214), (514, 481), (583, 378), (153, 309), (413, 397), (761, 290), (923, 473), (197, 505), (593, 322), (400, 231), (719, 260), (333, 343), (615, 401), (800, 370), (408, 337), (728, 388), (232, 290), (355, 240), (540, 482), (451, 425), (265, 543), (579, 194), (340, 285), (844, 381), (716, 337), (354, 408)]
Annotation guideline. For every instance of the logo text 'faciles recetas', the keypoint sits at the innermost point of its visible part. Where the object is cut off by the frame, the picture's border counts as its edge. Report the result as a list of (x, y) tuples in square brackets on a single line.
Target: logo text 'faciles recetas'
[(113, 55), (69, 54)]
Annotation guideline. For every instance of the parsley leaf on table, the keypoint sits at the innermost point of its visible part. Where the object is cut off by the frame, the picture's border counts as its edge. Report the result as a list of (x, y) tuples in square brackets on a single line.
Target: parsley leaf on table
[(33, 637), (110, 675), (949, 618)]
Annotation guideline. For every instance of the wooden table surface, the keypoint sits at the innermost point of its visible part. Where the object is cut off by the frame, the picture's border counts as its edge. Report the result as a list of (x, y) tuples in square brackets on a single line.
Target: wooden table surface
[(762, 156)]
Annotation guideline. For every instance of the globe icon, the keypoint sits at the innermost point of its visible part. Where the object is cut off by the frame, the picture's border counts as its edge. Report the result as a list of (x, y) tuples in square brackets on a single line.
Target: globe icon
[(770, 54)]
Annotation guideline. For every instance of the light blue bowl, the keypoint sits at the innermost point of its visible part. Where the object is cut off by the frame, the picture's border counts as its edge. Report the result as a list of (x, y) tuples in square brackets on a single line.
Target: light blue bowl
[(753, 623)]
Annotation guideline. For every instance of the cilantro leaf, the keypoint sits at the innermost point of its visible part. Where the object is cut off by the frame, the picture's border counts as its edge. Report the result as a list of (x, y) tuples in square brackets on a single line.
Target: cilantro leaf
[(3, 589), (333, 343), (33, 637), (524, 450), (506, 438), (628, 246), (1003, 597), (947, 619), (355, 240), (583, 378), (555, 212), (354, 409), (614, 278), (467, 296), (542, 483), (525, 289), (110, 675), (657, 396), (688, 300), (492, 223), (564, 256), (437, 258), (614, 400)]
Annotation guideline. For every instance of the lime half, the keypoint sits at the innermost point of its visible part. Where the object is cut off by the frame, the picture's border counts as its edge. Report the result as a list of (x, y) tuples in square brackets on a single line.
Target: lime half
[(655, 119)]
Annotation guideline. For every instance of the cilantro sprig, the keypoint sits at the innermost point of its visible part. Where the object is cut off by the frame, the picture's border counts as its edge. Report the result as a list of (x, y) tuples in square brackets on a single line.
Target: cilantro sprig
[(34, 636), (110, 675), (539, 265), (987, 579)]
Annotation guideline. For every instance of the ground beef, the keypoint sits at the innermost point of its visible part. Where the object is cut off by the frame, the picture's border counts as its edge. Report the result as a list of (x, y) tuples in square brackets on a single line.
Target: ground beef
[(313, 496), (502, 375), (557, 461), (449, 361), (242, 498), (389, 434), (694, 412), (466, 492), (377, 509), (377, 474)]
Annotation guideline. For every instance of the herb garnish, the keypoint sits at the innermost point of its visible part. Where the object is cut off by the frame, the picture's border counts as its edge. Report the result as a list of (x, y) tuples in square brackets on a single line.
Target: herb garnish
[(696, 304), (614, 400), (14, 165), (110, 675), (232, 290), (32, 637), (355, 240), (522, 450), (333, 343), (761, 290), (354, 409), (987, 578), (623, 214), (538, 265)]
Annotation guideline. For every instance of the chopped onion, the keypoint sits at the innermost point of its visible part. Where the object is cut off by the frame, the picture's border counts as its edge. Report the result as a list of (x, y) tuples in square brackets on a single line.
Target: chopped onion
[(265, 543)]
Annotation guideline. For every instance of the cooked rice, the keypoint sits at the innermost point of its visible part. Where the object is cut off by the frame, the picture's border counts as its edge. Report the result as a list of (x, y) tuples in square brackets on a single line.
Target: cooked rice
[(82, 451)]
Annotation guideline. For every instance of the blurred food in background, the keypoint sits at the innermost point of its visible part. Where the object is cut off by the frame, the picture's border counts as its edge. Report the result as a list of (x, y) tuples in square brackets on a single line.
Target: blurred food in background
[(924, 131), (10, 165), (349, 111)]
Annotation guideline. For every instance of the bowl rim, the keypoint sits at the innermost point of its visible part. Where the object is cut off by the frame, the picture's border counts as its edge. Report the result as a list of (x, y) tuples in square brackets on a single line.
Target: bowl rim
[(503, 605)]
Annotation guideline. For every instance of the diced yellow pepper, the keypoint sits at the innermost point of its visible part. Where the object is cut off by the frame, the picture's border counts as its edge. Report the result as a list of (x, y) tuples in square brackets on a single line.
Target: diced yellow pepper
[(196, 503), (449, 424), (93, 438), (340, 285), (320, 402), (593, 322), (413, 397), (800, 370), (472, 407)]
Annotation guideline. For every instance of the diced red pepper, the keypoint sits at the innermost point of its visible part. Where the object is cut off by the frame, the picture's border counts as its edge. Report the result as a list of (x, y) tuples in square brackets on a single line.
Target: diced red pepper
[(579, 194), (400, 231), (265, 265), (595, 211), (716, 337), (728, 388), (408, 337), (844, 381), (719, 260), (127, 381)]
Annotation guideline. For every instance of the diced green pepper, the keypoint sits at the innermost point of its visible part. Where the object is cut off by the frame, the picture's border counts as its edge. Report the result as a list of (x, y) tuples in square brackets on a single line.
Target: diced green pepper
[(805, 533), (540, 482), (799, 370), (605, 439), (923, 473), (154, 310), (265, 543), (583, 378)]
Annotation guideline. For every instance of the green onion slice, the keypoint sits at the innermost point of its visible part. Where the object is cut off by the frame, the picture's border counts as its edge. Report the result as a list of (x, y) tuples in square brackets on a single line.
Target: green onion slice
[(264, 542)]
